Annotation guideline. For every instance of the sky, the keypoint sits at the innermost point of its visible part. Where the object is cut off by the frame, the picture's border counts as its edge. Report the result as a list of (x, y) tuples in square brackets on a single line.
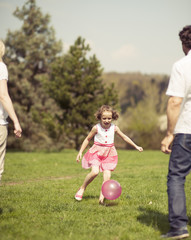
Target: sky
[(125, 35)]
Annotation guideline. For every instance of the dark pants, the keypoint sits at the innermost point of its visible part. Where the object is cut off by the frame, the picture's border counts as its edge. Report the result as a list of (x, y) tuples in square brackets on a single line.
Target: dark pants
[(179, 167)]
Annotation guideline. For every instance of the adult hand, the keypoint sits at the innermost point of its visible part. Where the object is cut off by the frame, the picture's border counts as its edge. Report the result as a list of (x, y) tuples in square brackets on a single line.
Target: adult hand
[(166, 143), (17, 130)]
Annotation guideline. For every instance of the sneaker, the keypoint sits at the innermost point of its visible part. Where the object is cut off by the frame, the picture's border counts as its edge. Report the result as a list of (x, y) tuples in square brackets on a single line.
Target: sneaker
[(78, 196), (177, 233)]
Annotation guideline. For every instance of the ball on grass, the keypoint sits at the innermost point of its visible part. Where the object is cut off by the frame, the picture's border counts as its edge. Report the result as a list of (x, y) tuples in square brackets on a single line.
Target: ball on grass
[(111, 189)]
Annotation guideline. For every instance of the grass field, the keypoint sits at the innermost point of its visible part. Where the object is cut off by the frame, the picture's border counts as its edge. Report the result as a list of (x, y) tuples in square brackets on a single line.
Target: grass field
[(37, 198)]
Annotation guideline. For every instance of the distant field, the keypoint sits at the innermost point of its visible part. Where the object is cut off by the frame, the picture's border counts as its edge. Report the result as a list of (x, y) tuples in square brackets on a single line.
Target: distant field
[(37, 198)]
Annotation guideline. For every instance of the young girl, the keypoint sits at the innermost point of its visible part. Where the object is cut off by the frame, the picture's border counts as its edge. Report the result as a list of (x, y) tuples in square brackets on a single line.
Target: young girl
[(102, 156)]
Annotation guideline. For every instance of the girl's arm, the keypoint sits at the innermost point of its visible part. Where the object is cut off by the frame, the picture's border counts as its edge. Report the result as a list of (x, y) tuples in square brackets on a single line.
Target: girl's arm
[(128, 140), (86, 142)]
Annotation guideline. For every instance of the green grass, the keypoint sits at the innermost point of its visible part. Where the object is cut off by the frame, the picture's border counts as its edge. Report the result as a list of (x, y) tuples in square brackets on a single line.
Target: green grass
[(37, 198)]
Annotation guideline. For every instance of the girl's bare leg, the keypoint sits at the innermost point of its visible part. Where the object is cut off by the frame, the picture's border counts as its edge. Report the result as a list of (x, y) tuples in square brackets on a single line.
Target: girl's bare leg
[(106, 176), (88, 179)]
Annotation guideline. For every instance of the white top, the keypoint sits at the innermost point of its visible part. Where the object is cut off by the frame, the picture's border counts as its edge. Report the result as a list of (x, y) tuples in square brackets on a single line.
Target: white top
[(105, 136), (3, 76), (180, 86)]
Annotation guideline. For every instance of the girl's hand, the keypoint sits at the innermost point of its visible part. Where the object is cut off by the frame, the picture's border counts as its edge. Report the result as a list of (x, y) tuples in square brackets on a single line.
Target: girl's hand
[(140, 149), (79, 157)]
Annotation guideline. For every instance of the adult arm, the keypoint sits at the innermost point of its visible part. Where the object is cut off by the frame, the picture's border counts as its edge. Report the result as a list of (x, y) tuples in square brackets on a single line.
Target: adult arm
[(173, 111), (8, 106)]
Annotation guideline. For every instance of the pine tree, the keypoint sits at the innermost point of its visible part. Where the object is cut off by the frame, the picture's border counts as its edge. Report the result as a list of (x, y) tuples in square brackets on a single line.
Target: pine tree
[(29, 54), (76, 85)]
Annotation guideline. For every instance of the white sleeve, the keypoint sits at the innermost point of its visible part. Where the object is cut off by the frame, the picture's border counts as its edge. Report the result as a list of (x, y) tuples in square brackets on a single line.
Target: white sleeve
[(3, 71), (176, 85)]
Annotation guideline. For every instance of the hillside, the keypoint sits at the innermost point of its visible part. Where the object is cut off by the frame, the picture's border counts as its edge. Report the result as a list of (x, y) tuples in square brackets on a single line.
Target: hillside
[(143, 101), (134, 84), (122, 80)]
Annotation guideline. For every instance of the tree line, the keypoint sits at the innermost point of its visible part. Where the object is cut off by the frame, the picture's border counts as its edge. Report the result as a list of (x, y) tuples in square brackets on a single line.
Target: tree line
[(143, 104), (56, 94)]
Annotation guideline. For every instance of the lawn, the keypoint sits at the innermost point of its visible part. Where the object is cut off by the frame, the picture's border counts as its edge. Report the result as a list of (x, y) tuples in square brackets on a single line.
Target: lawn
[(37, 198)]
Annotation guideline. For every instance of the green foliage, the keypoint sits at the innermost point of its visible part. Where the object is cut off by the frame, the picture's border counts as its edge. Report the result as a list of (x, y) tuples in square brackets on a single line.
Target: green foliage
[(143, 122), (143, 102), (143, 126), (56, 95), (40, 205), (132, 88), (29, 52), (76, 85)]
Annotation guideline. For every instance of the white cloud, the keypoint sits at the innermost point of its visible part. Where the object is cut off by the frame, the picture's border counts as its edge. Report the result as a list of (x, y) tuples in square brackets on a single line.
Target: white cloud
[(125, 52)]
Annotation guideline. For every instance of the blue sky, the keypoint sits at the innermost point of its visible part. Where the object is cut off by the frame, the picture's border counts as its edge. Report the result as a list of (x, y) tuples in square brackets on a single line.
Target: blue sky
[(125, 35)]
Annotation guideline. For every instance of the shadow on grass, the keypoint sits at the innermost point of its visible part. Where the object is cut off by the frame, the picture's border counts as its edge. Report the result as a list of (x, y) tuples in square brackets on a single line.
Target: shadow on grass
[(90, 197), (111, 204), (4, 210), (153, 218), (106, 203), (189, 220)]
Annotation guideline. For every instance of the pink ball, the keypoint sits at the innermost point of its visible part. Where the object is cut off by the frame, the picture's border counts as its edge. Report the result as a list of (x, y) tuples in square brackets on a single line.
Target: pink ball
[(111, 189)]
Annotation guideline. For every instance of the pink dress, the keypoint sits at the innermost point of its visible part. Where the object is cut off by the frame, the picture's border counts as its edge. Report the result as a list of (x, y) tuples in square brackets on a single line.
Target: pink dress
[(103, 152)]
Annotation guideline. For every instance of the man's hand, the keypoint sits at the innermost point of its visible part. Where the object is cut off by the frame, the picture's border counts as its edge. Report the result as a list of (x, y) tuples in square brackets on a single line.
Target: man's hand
[(166, 143)]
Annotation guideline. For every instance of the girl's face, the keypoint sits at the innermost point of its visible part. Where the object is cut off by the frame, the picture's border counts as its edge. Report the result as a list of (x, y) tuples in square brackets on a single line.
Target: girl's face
[(106, 119)]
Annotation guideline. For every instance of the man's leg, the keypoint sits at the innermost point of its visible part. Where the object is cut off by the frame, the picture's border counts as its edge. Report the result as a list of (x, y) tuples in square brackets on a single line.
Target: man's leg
[(179, 167)]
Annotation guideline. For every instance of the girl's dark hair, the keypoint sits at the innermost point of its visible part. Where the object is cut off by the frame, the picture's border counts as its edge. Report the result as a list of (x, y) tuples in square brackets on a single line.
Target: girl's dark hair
[(185, 36), (104, 108)]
